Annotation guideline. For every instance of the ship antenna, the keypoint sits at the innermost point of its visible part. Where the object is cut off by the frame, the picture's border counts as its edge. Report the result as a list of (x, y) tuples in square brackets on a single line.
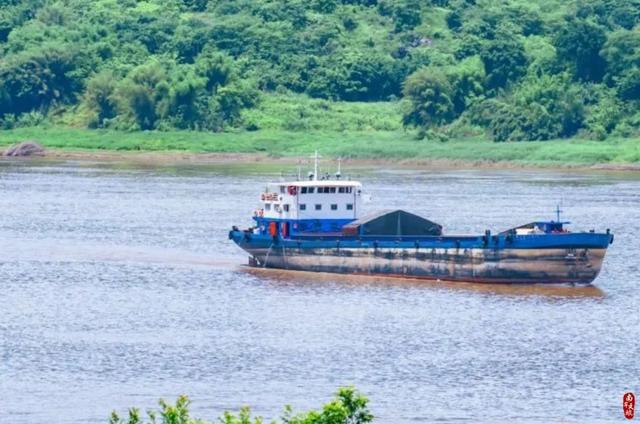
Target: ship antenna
[(558, 210), (339, 173)]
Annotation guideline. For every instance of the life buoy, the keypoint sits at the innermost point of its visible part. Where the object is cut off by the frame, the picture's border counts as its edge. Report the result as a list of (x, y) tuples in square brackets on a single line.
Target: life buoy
[(292, 190)]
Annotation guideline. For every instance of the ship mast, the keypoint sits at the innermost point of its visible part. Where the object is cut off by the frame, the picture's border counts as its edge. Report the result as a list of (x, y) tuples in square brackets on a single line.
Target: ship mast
[(315, 165)]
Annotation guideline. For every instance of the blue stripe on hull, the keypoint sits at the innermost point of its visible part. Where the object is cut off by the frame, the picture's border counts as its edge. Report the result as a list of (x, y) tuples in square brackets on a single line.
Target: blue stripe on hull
[(497, 242)]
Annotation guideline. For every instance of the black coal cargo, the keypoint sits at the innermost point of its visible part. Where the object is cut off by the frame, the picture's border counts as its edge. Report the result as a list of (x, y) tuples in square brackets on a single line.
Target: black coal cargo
[(392, 223)]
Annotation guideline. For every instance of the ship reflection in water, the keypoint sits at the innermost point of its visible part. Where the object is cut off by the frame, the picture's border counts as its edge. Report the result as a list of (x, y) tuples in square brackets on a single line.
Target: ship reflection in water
[(301, 278)]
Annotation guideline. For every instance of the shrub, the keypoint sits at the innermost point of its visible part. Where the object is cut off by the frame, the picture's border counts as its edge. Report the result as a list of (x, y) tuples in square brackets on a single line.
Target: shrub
[(541, 108), (347, 407), (99, 98), (430, 98), (35, 80)]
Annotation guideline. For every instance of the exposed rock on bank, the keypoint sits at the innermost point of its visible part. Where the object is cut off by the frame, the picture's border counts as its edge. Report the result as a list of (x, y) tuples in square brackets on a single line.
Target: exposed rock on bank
[(26, 148)]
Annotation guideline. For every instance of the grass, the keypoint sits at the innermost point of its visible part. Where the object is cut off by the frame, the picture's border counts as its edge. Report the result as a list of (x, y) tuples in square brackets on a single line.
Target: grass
[(298, 112), (295, 125), (390, 145)]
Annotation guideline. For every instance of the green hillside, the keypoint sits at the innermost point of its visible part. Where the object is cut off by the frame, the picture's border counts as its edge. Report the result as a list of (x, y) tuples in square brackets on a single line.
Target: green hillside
[(508, 69)]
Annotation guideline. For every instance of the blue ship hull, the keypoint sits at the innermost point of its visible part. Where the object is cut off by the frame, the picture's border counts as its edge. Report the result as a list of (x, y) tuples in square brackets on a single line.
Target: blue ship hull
[(504, 258)]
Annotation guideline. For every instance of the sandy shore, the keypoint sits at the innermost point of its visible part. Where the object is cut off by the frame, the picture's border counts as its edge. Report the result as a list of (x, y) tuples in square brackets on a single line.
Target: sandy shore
[(167, 158)]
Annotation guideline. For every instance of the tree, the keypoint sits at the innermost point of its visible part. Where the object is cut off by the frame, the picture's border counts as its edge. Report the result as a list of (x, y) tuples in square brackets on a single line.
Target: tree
[(357, 77), (405, 13), (468, 45), (578, 45), (430, 98), (215, 67), (504, 61), (99, 97), (188, 98), (233, 35), (610, 13), (541, 108), (154, 31), (34, 80), (628, 85), (8, 16), (467, 81), (557, 97), (324, 6), (195, 5), (190, 38), (625, 16), (437, 95), (231, 99), (604, 113), (622, 54), (454, 20), (142, 96)]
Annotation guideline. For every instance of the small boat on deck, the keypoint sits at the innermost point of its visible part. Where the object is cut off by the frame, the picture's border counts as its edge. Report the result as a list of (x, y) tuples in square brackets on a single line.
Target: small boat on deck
[(317, 225)]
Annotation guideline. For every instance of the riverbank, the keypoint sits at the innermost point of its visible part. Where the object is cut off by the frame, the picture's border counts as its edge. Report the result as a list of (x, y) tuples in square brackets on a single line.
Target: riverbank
[(394, 147)]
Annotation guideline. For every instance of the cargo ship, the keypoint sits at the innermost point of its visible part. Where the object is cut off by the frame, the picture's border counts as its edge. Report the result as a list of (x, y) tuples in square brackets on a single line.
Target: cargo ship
[(316, 225)]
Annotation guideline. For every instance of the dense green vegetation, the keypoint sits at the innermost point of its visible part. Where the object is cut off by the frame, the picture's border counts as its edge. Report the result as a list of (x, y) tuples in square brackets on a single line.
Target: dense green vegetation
[(510, 69), (347, 407)]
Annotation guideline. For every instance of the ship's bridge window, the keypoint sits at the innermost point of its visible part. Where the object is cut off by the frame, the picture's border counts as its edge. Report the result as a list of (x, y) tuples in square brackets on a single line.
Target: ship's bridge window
[(318, 207), (334, 207), (286, 208), (349, 206), (267, 206), (320, 189), (332, 190), (303, 190), (349, 189), (302, 207), (342, 190), (310, 190)]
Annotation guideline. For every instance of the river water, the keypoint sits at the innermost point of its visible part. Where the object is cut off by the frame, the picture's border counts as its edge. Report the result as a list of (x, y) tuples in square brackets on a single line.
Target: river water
[(119, 287)]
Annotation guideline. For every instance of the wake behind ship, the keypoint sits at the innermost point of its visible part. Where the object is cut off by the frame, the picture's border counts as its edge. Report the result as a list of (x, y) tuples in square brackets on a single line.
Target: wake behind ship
[(316, 225)]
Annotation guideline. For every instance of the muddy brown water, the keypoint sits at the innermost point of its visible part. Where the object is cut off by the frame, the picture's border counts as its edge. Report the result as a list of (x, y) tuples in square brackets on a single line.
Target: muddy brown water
[(119, 287)]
